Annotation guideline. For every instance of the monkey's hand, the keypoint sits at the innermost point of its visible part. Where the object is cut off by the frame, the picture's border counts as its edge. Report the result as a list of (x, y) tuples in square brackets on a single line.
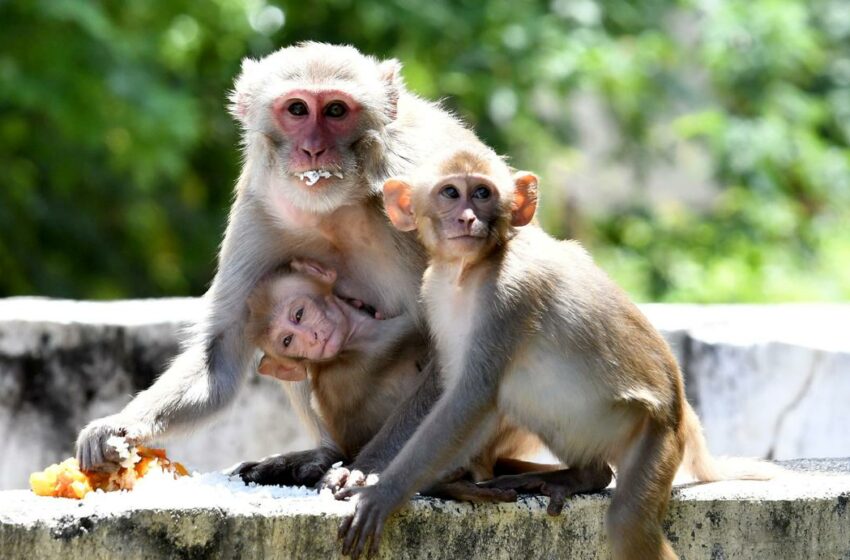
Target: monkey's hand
[(339, 478), (93, 451), (374, 505), (557, 485), (301, 468)]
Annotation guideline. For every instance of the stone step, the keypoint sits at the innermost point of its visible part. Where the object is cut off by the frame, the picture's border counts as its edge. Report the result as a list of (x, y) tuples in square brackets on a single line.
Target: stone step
[(802, 514)]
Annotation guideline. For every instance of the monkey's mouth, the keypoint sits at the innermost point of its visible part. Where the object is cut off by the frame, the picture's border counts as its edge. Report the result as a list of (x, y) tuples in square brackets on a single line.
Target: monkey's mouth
[(313, 176), (467, 237)]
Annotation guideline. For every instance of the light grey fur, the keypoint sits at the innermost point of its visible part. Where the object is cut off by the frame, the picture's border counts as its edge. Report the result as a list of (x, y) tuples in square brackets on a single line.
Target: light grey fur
[(385, 271)]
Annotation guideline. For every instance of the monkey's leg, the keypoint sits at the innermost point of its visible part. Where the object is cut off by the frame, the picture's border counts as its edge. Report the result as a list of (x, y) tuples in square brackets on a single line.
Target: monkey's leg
[(644, 479), (506, 466), (558, 485), (457, 486)]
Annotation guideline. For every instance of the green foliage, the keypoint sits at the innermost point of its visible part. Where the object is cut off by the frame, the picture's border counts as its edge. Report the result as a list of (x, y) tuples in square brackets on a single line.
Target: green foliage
[(118, 155)]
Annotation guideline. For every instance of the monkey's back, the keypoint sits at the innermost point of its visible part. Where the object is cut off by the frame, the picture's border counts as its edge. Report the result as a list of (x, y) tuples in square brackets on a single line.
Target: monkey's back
[(586, 314)]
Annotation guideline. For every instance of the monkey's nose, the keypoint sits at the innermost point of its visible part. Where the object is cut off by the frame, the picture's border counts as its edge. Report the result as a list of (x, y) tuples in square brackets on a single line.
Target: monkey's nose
[(314, 153), (467, 218)]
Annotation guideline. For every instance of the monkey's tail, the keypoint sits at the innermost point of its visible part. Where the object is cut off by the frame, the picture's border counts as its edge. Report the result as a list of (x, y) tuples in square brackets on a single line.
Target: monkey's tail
[(704, 467)]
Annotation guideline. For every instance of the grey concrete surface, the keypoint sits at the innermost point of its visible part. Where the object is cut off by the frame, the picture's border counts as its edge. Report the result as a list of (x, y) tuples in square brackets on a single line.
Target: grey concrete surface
[(767, 380), (64, 363), (802, 514)]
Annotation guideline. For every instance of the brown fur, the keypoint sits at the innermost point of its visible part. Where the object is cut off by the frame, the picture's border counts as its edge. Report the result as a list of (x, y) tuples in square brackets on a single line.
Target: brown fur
[(358, 390), (527, 327)]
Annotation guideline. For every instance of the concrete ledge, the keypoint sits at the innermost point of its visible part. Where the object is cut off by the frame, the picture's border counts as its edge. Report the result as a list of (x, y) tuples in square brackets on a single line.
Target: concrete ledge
[(767, 380), (801, 515)]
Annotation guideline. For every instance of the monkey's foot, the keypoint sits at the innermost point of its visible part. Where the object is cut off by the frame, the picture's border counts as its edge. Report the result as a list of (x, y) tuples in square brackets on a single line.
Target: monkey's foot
[(468, 491), (302, 468), (557, 485)]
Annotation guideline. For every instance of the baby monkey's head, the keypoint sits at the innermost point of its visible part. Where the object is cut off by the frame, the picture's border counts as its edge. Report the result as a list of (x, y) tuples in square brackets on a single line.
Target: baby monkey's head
[(295, 317), (464, 203)]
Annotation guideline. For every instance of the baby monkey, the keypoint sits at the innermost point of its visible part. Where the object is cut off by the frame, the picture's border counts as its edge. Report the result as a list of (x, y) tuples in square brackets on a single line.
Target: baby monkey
[(528, 327), (302, 325), (296, 318)]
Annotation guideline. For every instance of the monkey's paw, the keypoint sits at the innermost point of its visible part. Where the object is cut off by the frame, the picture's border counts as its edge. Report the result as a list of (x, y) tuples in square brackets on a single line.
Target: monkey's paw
[(301, 468), (93, 451), (374, 505), (339, 478)]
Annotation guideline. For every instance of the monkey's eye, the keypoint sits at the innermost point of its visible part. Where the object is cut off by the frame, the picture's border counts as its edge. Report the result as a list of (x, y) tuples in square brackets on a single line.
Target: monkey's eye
[(287, 341), (336, 110), (298, 109), (298, 315), (450, 191), (481, 192)]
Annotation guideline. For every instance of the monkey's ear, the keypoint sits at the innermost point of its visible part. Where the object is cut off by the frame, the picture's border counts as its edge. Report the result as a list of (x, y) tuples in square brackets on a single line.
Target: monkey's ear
[(398, 204), (525, 198), (315, 270), (240, 99), (285, 370), (390, 70)]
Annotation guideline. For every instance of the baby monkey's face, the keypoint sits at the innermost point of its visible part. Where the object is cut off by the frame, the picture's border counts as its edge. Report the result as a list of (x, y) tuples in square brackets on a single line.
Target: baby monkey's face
[(308, 321)]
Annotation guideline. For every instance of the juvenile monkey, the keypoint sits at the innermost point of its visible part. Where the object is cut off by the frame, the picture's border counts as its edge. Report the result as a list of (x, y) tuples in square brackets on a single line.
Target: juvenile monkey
[(528, 327), (302, 326)]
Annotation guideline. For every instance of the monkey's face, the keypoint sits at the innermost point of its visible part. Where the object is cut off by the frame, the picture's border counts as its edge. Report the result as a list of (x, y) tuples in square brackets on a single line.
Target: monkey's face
[(465, 214), (314, 116), (307, 321), (317, 130)]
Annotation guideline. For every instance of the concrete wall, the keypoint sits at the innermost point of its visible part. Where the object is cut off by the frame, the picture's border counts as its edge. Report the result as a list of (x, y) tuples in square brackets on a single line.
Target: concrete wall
[(801, 515), (768, 381)]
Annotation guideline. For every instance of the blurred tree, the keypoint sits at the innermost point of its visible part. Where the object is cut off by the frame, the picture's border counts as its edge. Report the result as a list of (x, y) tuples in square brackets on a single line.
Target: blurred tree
[(119, 157)]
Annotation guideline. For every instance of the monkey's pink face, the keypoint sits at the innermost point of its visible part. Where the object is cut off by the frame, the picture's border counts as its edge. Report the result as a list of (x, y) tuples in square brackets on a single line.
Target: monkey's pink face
[(321, 126), (465, 208), (309, 323)]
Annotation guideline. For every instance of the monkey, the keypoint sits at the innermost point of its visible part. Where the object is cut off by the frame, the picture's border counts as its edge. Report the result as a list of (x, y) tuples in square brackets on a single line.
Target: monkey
[(322, 127), (529, 327), (301, 324), (349, 350)]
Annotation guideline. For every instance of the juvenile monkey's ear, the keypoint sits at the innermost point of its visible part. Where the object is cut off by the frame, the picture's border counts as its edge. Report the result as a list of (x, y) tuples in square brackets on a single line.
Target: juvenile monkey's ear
[(398, 204), (315, 270), (525, 198), (285, 370)]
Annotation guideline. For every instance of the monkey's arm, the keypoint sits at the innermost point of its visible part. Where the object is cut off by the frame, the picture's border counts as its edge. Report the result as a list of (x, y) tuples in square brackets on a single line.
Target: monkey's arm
[(459, 424), (208, 372)]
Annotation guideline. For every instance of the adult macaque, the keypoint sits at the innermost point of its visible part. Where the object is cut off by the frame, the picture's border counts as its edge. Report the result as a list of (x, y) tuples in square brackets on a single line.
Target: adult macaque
[(359, 369), (323, 126), (528, 327)]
